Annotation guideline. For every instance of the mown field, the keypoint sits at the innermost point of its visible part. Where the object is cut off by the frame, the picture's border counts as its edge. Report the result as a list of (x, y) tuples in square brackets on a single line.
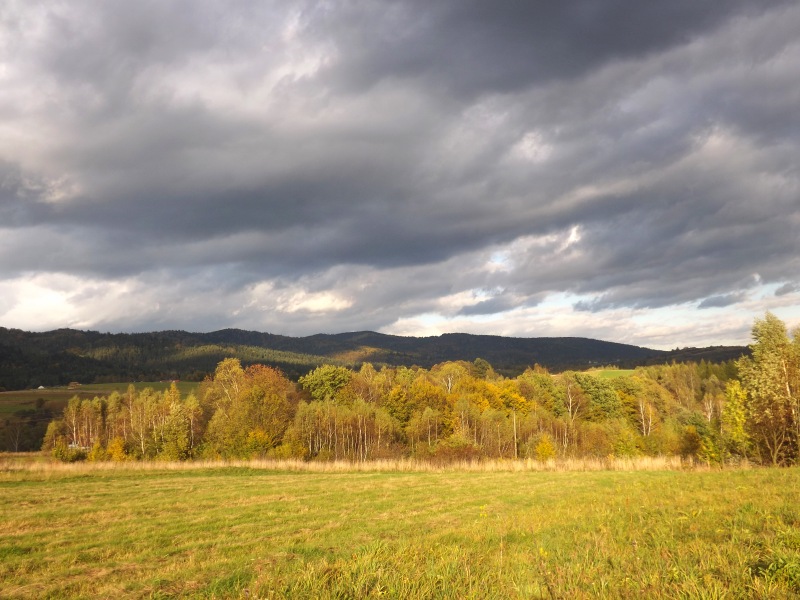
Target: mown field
[(149, 531), (185, 387), (611, 373), (56, 398)]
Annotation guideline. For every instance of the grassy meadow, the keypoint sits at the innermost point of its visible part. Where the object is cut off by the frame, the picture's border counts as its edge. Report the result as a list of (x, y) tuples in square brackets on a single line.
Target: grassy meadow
[(56, 398), (611, 373), (102, 389), (150, 530)]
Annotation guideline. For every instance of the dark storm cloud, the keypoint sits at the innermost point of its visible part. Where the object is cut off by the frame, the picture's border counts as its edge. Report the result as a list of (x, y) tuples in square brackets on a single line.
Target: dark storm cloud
[(488, 307), (787, 288), (347, 164), (721, 301), (472, 47)]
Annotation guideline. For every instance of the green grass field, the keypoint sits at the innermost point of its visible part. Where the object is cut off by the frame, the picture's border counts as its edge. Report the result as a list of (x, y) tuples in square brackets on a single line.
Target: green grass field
[(154, 532), (56, 397), (611, 373), (185, 387)]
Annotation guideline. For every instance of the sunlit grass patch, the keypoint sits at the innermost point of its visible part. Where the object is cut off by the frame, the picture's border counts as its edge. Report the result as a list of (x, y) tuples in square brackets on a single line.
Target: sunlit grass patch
[(611, 373), (42, 463), (238, 531)]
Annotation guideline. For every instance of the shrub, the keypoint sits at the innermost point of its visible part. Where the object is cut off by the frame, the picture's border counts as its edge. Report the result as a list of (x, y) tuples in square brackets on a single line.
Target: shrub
[(455, 448), (545, 449), (65, 453), (116, 450), (691, 442), (97, 453)]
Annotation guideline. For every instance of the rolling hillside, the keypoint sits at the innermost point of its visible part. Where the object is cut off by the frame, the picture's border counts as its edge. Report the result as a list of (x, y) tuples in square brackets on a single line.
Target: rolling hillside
[(57, 357)]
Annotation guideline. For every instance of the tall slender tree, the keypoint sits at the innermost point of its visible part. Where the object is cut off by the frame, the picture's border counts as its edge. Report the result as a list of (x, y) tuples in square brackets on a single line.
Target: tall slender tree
[(770, 379)]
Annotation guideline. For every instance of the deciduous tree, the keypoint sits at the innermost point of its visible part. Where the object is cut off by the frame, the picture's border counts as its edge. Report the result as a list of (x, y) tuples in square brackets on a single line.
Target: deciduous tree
[(770, 380)]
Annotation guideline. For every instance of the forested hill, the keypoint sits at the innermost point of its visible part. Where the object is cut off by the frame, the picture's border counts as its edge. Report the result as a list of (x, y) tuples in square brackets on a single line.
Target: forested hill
[(503, 353), (64, 355)]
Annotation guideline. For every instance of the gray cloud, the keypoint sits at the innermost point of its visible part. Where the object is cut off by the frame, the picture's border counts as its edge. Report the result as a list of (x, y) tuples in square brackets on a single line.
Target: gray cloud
[(721, 301), (349, 166), (497, 304), (787, 288), (472, 47)]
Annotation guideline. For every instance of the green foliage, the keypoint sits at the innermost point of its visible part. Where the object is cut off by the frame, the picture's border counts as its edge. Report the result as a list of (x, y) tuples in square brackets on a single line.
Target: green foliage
[(455, 448), (424, 429), (414, 392), (68, 454), (691, 442), (328, 431), (710, 452), (57, 434), (175, 440), (251, 411), (97, 453), (771, 380), (625, 441), (325, 382), (481, 369), (604, 403), (733, 421), (538, 387)]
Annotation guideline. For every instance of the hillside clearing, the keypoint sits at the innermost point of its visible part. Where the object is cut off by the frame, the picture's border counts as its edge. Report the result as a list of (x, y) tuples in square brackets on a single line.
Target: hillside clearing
[(611, 373)]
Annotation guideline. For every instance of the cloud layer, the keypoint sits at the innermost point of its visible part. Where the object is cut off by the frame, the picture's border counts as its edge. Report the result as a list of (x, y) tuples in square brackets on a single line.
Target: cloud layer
[(593, 168)]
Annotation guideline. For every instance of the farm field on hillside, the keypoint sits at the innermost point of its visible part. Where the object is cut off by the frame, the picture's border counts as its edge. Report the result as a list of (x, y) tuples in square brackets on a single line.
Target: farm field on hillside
[(24, 414), (185, 387), (611, 373), (56, 397), (73, 531)]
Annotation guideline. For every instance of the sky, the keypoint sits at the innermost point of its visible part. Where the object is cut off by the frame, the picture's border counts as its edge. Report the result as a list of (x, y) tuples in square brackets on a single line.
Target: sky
[(620, 170)]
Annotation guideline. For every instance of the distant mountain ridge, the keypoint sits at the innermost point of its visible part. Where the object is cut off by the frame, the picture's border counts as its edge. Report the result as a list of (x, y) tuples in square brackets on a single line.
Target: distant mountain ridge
[(56, 357)]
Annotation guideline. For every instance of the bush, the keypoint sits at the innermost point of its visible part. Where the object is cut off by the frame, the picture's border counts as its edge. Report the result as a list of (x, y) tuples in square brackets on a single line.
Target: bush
[(545, 450), (97, 453), (455, 448), (68, 454), (691, 442), (116, 450)]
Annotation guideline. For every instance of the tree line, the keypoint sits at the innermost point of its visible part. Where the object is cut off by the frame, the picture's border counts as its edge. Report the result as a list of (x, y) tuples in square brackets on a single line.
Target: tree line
[(716, 413)]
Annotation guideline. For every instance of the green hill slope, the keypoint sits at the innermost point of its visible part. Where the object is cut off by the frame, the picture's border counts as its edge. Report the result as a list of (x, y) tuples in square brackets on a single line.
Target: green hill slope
[(63, 355)]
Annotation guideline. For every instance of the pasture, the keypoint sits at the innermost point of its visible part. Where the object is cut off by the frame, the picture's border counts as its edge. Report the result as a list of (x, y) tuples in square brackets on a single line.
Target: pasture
[(103, 389), (167, 530), (24, 414), (611, 373), (56, 398)]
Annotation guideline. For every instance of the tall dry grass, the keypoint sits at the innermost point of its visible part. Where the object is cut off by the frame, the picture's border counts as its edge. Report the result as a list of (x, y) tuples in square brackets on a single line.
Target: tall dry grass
[(403, 465)]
